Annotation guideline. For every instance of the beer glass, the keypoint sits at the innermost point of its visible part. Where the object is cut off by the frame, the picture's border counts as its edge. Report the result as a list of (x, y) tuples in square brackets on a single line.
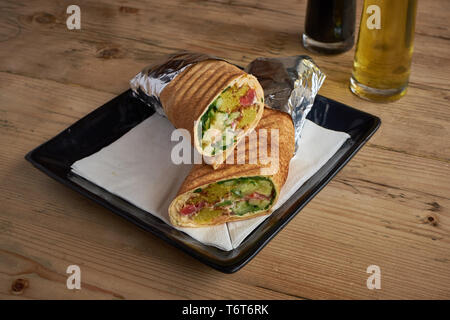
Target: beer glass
[(382, 61), (329, 26)]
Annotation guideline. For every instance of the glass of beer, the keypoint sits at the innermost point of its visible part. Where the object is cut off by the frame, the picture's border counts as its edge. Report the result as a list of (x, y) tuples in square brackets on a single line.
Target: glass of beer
[(329, 26), (382, 61)]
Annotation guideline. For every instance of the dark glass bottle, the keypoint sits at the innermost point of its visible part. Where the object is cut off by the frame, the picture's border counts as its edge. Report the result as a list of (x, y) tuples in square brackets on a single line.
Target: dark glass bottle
[(330, 25)]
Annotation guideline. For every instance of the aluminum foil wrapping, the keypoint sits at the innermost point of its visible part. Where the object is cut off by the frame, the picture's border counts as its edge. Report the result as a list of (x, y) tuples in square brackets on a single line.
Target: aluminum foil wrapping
[(290, 83), (148, 84)]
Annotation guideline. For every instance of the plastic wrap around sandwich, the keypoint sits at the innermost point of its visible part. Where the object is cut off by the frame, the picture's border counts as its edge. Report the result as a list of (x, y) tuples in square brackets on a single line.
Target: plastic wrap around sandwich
[(238, 191)]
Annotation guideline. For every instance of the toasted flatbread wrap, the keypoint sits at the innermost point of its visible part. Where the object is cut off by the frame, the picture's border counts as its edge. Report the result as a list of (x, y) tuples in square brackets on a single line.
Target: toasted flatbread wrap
[(217, 103), (237, 191)]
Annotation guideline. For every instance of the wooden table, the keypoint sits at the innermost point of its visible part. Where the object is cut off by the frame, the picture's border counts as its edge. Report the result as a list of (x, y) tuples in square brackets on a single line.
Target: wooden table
[(388, 207)]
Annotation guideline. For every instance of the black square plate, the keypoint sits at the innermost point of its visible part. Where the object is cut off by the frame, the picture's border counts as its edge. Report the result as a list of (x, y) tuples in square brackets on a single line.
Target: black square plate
[(110, 121)]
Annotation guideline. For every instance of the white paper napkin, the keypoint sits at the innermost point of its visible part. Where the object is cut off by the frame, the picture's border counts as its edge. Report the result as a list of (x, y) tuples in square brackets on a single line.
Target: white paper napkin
[(138, 168)]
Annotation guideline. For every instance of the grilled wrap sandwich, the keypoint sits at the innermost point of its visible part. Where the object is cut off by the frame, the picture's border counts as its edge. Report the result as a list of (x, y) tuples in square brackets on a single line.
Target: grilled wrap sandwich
[(217, 103), (237, 191)]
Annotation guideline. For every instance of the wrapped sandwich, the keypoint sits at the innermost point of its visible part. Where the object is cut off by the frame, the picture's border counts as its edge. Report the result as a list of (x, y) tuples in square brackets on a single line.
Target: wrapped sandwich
[(238, 191), (217, 102)]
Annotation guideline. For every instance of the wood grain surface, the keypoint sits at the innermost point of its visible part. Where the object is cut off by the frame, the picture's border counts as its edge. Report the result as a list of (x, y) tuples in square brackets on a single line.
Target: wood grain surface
[(389, 206)]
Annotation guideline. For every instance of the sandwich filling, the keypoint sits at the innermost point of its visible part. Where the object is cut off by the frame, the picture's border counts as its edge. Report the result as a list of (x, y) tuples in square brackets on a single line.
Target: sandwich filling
[(233, 197), (234, 109)]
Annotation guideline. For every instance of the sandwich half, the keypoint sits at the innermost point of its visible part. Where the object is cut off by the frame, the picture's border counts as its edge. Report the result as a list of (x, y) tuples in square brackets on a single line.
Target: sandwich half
[(237, 191), (217, 103)]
